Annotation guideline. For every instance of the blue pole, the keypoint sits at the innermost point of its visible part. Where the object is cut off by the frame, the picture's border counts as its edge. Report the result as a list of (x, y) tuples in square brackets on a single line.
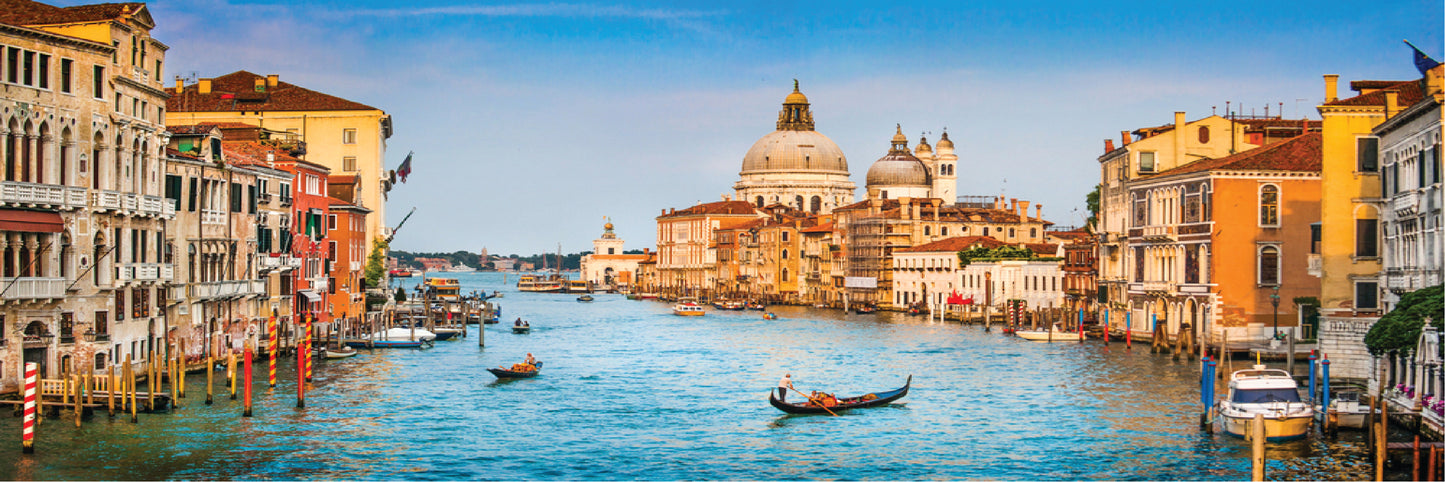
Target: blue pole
[(1080, 325), (1312, 376), (1209, 398), (1204, 384), (1153, 322), (1325, 385)]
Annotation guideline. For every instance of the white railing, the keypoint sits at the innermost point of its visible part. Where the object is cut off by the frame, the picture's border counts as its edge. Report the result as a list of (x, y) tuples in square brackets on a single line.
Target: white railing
[(356, 266), (152, 205), (130, 202), (1152, 286), (32, 288), (168, 272), (209, 216), (269, 262), (168, 207), (105, 200), (31, 194), (124, 274), (1158, 232), (228, 289), (152, 271)]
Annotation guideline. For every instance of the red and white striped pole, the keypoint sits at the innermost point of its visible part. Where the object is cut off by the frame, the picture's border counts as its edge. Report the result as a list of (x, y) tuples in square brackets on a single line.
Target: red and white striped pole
[(27, 440)]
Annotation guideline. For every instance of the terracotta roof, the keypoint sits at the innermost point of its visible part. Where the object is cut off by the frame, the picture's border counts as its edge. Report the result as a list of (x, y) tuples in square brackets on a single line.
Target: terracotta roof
[(1252, 124), (26, 12), (237, 92), (959, 243), (173, 152), (253, 151), (1076, 236), (181, 130), (1409, 93), (1043, 249), (1298, 154), (717, 208), (821, 228), (343, 178), (620, 257), (230, 125)]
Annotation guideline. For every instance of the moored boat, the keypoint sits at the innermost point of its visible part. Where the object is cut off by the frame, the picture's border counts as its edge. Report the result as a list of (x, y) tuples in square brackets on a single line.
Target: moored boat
[(862, 401), (1049, 335), (1272, 393), (1346, 411), (864, 309), (339, 353), (446, 333), (687, 308), (518, 370)]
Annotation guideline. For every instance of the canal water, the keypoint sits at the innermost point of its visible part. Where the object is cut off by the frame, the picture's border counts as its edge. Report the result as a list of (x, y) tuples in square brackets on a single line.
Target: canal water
[(629, 391)]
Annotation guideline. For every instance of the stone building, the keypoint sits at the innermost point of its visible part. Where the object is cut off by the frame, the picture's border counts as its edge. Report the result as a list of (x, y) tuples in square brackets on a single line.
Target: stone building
[(81, 216), (686, 254), (608, 267), (795, 165)]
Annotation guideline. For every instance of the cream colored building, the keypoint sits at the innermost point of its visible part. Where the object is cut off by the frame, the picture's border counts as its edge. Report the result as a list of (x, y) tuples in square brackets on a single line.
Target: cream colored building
[(346, 137), (607, 267), (795, 165)]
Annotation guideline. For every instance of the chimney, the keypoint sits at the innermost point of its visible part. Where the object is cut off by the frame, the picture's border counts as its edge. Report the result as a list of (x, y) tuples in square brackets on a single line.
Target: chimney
[(1039, 212), (204, 86), (273, 80), (1392, 100), (1013, 204), (1178, 141), (270, 158), (1332, 87), (726, 198), (1024, 210), (1108, 146), (1126, 137), (180, 84), (260, 85)]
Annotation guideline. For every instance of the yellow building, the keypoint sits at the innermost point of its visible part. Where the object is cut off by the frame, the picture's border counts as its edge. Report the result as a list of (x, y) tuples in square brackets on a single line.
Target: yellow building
[(345, 136), (1348, 259)]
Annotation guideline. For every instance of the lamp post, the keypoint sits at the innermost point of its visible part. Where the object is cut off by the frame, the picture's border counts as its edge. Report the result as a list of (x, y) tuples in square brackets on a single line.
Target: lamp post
[(1274, 300)]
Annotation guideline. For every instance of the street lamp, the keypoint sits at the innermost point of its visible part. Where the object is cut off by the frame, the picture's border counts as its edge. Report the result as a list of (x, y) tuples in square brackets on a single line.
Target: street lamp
[(1274, 300)]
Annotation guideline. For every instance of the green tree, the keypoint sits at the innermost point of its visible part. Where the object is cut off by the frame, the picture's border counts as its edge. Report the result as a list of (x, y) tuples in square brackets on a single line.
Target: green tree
[(400, 295), (1399, 329), (376, 262), (1092, 203)]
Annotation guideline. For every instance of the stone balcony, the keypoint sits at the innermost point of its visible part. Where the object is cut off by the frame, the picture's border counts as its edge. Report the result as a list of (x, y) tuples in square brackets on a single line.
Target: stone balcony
[(1406, 203), (211, 216), (1152, 287), (32, 288), (227, 289), (268, 263), (34, 195), (1158, 233), (149, 272)]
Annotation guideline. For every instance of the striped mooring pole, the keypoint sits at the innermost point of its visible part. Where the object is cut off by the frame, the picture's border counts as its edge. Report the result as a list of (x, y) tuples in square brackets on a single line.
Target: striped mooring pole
[(309, 319), (271, 347), (27, 440)]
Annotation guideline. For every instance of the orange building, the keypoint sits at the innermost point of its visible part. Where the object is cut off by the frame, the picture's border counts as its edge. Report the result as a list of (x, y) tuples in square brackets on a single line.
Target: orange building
[(346, 248), (1216, 243)]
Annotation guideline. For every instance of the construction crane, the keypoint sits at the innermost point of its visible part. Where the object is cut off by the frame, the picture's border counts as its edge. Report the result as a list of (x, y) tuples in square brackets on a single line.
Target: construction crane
[(398, 226)]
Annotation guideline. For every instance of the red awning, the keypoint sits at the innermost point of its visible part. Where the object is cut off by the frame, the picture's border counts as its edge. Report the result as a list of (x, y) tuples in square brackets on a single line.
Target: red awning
[(30, 221)]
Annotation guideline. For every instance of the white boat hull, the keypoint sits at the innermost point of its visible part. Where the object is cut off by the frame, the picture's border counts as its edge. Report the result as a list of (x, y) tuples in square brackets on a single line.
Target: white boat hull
[(1032, 335)]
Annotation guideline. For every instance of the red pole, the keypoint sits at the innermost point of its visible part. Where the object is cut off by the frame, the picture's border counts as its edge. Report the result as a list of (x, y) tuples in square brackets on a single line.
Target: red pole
[(300, 380), (27, 433), (247, 388)]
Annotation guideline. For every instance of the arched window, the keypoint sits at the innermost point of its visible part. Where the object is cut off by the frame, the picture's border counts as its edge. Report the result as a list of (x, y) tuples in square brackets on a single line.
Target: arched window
[(1269, 205), (760, 201), (65, 255), (926, 231), (785, 274), (785, 254), (798, 202), (1203, 134), (817, 205), (943, 230), (1269, 266)]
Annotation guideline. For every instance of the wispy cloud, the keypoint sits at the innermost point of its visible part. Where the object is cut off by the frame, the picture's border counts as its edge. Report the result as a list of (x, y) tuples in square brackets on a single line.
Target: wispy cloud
[(684, 19)]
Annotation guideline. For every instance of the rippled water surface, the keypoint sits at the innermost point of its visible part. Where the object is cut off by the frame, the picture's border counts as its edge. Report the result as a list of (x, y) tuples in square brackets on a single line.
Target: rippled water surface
[(631, 392)]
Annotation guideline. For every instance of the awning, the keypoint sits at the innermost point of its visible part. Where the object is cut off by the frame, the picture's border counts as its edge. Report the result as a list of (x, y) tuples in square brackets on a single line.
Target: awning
[(30, 221), (311, 296)]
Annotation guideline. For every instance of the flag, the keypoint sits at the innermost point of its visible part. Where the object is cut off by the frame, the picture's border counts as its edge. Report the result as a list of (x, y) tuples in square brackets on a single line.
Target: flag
[(1423, 62), (405, 169), (955, 298)]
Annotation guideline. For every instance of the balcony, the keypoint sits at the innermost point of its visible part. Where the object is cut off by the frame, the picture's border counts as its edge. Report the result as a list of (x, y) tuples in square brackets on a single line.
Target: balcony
[(1158, 233), (152, 272), (1316, 265), (1152, 287), (1406, 203), (268, 263), (209, 216), (286, 201), (155, 206), (33, 195), (33, 288), (124, 274), (104, 201), (227, 289)]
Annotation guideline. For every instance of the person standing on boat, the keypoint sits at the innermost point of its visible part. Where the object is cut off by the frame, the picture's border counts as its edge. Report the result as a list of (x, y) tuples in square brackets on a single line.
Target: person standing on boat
[(518, 322), (530, 360), (783, 386)]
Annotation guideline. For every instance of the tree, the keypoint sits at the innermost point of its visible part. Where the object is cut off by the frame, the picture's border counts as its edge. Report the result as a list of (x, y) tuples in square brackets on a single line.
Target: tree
[(376, 262), (1092, 203), (1399, 330), (400, 295)]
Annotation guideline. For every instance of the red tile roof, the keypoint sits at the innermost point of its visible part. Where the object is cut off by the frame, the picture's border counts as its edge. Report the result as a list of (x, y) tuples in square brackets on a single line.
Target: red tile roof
[(173, 152), (955, 244), (1254, 124), (26, 12), (1300, 154), (237, 92), (253, 151), (716, 208), (190, 130), (1409, 93), (1043, 249), (821, 228)]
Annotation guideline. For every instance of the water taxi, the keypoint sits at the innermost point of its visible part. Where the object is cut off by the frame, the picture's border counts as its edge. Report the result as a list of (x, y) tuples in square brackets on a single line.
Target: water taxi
[(1050, 335), (687, 308), (1271, 392), (578, 286), (444, 289), (537, 284)]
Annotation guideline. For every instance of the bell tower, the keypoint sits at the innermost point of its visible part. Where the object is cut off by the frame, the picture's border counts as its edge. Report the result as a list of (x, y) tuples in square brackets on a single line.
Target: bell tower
[(608, 243), (945, 180)]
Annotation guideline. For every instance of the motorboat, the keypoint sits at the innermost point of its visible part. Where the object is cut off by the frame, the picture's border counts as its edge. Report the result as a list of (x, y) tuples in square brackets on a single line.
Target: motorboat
[(584, 298), (1049, 335), (1346, 411), (1272, 393), (447, 332), (526, 328), (401, 334), (339, 353), (688, 308)]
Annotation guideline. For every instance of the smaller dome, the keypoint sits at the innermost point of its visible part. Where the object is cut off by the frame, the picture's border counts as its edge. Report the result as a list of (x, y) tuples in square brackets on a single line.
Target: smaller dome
[(899, 137), (607, 226), (944, 142), (923, 147), (797, 96), (898, 169)]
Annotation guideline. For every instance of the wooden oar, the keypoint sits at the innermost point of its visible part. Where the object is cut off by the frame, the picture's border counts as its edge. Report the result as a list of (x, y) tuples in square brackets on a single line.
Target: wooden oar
[(811, 399)]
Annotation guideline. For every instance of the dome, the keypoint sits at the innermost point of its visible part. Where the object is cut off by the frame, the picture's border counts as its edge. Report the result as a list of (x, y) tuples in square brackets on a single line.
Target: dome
[(923, 147), (898, 169), (796, 97), (789, 150), (944, 142)]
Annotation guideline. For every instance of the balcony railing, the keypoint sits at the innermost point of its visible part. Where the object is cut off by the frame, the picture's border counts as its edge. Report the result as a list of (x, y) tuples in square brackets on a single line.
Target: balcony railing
[(209, 216), (105, 200), (228, 289), (1158, 233), (130, 202), (1316, 265), (154, 206), (32, 288), (29, 194), (1406, 202), (151, 272), (1152, 287)]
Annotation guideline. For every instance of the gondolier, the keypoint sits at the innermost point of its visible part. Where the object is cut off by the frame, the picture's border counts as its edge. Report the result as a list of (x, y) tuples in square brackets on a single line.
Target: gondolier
[(783, 386)]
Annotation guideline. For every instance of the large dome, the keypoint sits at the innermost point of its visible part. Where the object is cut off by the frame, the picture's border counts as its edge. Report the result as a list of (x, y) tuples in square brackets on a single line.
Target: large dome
[(789, 150), (898, 169)]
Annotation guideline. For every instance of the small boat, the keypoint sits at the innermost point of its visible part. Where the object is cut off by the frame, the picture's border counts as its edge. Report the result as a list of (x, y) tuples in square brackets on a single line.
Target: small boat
[(527, 328), (756, 305), (865, 309), (770, 316), (339, 353), (495, 294), (1271, 392), (687, 309), (861, 401), (1047, 335), (514, 373), (400, 273), (1346, 411), (647, 296), (387, 344), (584, 298), (446, 333)]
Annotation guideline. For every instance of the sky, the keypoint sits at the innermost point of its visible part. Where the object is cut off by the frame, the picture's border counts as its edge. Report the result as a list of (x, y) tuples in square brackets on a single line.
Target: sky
[(531, 122)]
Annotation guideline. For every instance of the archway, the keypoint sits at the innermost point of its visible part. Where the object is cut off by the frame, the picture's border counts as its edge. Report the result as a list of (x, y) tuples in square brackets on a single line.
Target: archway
[(37, 337)]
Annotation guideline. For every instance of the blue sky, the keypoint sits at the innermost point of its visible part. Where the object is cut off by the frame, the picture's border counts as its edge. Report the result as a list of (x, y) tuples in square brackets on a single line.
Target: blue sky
[(532, 121)]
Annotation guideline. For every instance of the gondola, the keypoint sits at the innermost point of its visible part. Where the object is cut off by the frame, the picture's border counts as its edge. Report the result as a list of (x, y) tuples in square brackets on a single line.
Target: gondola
[(865, 309), (501, 373), (863, 401)]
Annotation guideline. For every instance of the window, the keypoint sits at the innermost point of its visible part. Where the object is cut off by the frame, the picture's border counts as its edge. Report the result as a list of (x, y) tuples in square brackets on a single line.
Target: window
[(119, 305), (943, 231), (1314, 238), (1269, 205), (1366, 236), (1203, 134), (1367, 296), (348, 136), (97, 82), (158, 71), (42, 70), (348, 163), (235, 198), (1146, 162), (66, 66), (331, 222), (12, 65), (1269, 266), (926, 231), (1367, 154), (785, 254), (785, 236), (27, 74)]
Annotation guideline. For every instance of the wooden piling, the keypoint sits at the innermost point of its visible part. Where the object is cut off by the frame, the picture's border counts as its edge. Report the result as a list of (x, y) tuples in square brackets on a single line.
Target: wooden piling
[(90, 388), (247, 411), (1382, 435), (181, 361), (231, 372), (153, 380), (130, 374), (76, 378), (1256, 439), (171, 366), (1415, 459), (1434, 458), (210, 377), (110, 386)]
